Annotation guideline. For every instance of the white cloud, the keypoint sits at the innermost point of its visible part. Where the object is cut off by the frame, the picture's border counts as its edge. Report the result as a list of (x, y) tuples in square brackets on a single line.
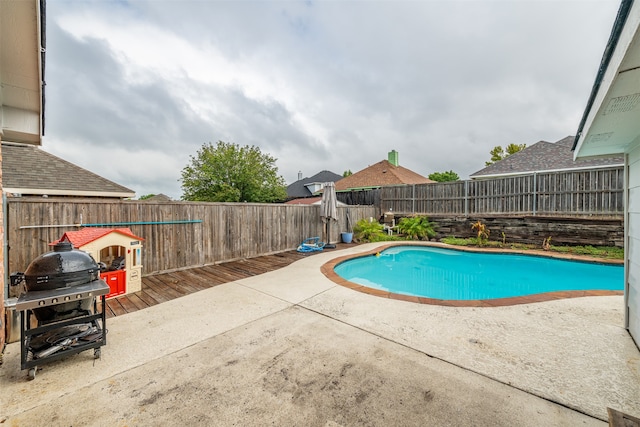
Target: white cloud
[(319, 85)]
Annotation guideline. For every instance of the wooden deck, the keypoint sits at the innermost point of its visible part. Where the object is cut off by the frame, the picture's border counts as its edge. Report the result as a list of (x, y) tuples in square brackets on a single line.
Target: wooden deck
[(159, 288)]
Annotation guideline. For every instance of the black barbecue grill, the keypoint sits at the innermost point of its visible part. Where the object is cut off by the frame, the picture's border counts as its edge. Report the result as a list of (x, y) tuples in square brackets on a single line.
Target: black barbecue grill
[(62, 288)]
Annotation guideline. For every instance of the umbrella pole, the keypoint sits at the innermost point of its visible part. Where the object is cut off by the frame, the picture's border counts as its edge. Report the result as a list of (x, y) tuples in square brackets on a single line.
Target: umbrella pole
[(329, 245)]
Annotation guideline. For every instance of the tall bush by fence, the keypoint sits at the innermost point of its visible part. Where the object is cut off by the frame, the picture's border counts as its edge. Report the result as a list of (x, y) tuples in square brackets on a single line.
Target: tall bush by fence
[(598, 192), (177, 234)]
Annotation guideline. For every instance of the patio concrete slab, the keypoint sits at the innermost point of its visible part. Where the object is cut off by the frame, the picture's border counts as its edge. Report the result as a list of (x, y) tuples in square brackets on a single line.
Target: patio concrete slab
[(300, 286), (297, 367), (291, 347), (541, 348), (133, 340)]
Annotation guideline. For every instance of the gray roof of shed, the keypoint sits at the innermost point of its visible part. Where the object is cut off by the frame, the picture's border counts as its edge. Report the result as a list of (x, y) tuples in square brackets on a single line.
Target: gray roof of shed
[(298, 189), (28, 170), (544, 156)]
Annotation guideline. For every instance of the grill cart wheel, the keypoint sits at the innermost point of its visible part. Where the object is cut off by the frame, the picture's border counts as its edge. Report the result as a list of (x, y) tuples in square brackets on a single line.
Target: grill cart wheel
[(32, 373)]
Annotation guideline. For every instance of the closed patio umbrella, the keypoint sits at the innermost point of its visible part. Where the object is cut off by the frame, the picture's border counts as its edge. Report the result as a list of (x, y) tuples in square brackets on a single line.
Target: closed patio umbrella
[(329, 209)]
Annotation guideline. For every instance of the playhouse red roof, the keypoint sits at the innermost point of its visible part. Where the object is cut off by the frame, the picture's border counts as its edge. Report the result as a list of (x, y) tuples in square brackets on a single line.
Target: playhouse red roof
[(89, 234)]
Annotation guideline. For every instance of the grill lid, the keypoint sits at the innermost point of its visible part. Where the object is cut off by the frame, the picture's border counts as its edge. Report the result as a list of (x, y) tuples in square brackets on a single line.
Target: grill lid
[(61, 268)]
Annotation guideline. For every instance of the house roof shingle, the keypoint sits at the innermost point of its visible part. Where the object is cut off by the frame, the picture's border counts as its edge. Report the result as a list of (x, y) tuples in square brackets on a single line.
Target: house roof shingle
[(28, 170), (544, 156), (298, 189), (380, 174)]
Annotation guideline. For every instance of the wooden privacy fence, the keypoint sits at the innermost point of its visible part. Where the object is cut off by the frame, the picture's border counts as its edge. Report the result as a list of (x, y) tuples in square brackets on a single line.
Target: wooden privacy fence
[(598, 192), (177, 234), (360, 197)]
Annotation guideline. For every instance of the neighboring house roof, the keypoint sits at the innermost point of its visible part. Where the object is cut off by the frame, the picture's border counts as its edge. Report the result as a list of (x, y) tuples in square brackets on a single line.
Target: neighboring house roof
[(380, 174), (304, 201), (158, 198), (28, 170), (544, 156), (306, 187), (87, 235), (310, 201)]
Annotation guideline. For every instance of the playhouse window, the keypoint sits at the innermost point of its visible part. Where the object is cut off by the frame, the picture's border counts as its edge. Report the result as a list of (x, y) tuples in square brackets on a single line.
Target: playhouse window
[(137, 259)]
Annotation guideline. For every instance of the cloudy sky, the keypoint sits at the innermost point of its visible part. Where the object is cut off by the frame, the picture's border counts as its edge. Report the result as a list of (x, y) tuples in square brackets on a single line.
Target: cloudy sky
[(136, 87)]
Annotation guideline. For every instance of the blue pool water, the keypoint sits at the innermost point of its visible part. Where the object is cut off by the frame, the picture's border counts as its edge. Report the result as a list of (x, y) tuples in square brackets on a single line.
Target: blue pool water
[(458, 275)]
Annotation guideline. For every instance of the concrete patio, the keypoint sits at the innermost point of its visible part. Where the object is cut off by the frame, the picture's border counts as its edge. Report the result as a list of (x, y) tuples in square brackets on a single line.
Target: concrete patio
[(290, 347)]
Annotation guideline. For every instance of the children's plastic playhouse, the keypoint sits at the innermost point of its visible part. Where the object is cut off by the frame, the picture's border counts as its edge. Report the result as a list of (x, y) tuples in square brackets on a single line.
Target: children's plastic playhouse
[(118, 252)]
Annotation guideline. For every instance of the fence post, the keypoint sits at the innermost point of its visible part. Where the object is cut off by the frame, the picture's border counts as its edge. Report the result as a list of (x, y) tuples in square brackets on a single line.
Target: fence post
[(413, 199), (466, 198), (535, 192)]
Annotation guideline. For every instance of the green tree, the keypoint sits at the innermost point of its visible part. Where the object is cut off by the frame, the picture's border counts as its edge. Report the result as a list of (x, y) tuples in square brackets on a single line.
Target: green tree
[(146, 196), (227, 172), (498, 153), (444, 176), (347, 173)]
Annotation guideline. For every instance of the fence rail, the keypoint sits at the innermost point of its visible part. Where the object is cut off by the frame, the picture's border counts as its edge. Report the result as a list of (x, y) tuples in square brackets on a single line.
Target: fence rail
[(173, 238), (590, 193)]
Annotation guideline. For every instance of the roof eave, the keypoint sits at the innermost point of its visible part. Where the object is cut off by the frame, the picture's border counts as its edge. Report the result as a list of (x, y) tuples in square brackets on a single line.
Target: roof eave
[(504, 175), (22, 41), (606, 129), (74, 193), (359, 188)]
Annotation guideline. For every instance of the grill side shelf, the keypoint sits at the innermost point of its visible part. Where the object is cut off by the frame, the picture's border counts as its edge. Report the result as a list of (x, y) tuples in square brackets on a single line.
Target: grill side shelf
[(38, 299)]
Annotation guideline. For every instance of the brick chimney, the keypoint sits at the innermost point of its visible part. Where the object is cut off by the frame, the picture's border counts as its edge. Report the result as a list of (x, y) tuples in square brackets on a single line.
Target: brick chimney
[(393, 158)]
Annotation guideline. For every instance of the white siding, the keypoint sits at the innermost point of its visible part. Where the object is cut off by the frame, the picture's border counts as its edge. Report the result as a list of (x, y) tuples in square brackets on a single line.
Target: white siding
[(633, 246)]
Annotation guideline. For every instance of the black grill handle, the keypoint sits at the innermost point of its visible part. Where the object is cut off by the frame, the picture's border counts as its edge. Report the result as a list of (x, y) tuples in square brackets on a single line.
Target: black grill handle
[(16, 278)]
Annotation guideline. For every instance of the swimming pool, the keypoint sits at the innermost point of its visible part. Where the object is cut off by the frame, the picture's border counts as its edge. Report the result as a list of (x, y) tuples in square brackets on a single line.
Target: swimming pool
[(450, 274)]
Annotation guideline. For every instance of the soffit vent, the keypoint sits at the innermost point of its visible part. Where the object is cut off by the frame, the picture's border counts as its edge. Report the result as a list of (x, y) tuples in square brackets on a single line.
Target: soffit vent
[(623, 104), (599, 138)]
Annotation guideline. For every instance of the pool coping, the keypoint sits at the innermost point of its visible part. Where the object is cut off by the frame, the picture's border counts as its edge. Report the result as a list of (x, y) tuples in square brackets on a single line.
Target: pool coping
[(328, 270)]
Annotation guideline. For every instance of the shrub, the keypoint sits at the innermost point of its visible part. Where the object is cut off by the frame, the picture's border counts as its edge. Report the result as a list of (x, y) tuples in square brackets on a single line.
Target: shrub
[(416, 227), (369, 231), (482, 230)]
